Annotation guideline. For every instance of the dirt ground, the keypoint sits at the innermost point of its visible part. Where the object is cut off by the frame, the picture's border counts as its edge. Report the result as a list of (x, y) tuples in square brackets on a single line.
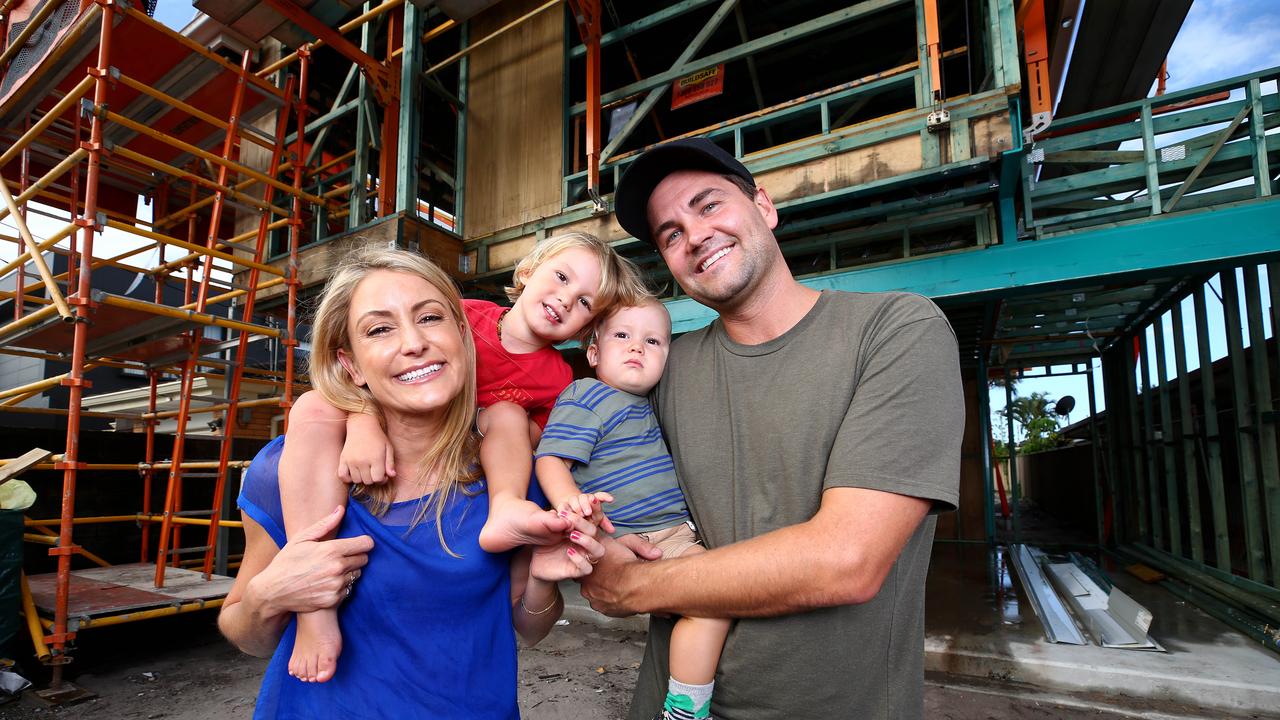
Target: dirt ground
[(181, 669)]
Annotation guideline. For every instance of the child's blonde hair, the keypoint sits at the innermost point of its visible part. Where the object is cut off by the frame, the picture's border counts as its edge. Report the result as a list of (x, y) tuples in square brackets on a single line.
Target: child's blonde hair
[(454, 453), (620, 280)]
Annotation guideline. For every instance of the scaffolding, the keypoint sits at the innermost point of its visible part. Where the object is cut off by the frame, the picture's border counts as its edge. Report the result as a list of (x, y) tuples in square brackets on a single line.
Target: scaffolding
[(101, 119)]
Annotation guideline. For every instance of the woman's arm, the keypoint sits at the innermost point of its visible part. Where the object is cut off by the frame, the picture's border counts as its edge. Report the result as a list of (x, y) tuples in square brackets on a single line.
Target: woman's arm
[(536, 603), (306, 574)]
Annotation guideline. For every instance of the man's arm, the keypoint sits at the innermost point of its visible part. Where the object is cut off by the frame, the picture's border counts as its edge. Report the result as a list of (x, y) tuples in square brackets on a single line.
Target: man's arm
[(840, 556)]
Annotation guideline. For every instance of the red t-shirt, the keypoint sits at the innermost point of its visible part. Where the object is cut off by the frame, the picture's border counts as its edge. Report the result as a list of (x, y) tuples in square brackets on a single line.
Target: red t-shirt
[(531, 380)]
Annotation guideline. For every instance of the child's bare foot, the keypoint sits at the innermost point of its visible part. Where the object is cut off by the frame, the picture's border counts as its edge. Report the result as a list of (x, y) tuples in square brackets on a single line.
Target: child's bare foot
[(517, 522), (317, 646)]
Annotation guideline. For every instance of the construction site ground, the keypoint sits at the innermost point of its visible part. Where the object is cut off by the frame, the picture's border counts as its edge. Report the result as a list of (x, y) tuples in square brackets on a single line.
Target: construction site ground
[(181, 669)]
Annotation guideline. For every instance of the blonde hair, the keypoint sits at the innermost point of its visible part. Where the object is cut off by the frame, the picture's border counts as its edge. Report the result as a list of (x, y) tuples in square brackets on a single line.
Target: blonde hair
[(620, 280), (454, 452), (648, 298)]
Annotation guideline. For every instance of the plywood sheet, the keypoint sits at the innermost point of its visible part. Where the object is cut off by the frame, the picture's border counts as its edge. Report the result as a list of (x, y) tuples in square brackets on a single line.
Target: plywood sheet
[(120, 588), (514, 119), (833, 172)]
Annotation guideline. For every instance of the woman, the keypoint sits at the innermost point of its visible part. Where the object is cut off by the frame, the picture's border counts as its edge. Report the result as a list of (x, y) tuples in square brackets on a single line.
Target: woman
[(428, 630)]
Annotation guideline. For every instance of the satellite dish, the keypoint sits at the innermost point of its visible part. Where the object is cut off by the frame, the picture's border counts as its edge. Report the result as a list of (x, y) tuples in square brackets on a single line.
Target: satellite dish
[(1065, 405)]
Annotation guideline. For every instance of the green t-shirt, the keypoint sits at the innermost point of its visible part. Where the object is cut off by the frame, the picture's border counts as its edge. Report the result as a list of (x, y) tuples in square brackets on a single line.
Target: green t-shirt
[(864, 392)]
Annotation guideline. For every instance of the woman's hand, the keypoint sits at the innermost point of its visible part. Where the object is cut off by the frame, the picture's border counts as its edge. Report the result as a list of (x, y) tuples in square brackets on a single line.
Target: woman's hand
[(570, 558), (312, 574)]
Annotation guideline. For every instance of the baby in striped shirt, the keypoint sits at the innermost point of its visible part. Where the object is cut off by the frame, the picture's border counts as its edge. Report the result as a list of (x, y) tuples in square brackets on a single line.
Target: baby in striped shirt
[(602, 442)]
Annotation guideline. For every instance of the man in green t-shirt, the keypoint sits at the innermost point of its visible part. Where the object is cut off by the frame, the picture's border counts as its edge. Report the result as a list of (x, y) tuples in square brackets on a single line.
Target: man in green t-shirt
[(815, 435)]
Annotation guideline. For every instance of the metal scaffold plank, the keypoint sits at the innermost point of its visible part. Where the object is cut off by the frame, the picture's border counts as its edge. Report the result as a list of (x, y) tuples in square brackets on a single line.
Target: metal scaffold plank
[(1186, 435), (1246, 444), (1211, 451)]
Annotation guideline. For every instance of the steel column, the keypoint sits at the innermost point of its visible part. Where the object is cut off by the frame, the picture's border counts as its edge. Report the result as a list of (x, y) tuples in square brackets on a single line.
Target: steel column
[(1212, 444), (406, 191), (1186, 434), (1262, 419), (1246, 442), (1173, 504)]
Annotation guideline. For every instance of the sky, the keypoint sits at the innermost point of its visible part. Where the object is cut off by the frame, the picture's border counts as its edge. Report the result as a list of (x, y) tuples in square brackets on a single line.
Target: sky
[(1219, 39)]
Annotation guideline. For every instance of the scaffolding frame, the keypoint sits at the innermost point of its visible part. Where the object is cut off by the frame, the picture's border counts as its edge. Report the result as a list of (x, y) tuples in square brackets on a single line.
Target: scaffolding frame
[(73, 306)]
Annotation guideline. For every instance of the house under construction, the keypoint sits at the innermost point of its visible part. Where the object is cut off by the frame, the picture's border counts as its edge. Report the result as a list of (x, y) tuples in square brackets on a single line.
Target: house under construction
[(1006, 158)]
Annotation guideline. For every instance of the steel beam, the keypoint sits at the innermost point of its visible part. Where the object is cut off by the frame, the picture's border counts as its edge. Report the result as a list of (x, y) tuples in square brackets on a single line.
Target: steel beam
[(646, 106), (1172, 244), (796, 32)]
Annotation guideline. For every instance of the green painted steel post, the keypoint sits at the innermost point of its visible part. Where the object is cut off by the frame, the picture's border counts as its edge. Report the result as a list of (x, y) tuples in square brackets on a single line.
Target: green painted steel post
[(1212, 442), (1137, 481), (1263, 424), (1186, 435), (1113, 389), (1097, 461), (1258, 136), (360, 162), (1149, 442), (460, 163), (410, 113), (988, 477), (1013, 454), (1149, 156), (1246, 446), (1173, 503)]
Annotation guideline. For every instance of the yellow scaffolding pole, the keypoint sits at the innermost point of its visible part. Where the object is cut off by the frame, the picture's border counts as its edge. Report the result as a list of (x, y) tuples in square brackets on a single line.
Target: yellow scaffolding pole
[(46, 180), (43, 124), (192, 247), (206, 155), (45, 244)]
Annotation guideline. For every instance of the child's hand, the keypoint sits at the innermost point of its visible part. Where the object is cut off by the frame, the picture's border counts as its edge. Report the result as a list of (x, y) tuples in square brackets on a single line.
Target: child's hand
[(367, 457), (588, 506)]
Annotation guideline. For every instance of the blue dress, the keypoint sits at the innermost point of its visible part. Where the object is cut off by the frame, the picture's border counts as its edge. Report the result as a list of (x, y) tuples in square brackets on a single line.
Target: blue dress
[(424, 634)]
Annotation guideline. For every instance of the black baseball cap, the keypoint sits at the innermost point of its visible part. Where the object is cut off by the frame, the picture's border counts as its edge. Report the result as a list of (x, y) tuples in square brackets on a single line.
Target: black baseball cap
[(631, 199)]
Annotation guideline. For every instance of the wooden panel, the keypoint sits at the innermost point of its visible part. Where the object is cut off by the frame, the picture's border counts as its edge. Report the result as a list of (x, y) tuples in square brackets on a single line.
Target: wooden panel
[(990, 135), (863, 165), (514, 119)]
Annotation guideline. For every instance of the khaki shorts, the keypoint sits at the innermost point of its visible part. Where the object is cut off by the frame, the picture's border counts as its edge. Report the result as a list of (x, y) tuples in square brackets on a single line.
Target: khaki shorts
[(673, 541)]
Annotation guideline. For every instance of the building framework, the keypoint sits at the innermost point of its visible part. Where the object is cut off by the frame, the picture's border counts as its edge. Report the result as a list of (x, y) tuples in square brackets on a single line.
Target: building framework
[(1001, 157)]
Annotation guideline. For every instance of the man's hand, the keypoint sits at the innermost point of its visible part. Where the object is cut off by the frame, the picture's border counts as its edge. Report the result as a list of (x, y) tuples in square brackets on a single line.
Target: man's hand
[(605, 587)]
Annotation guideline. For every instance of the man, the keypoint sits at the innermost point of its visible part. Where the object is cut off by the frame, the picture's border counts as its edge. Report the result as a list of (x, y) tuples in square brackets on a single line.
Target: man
[(814, 435)]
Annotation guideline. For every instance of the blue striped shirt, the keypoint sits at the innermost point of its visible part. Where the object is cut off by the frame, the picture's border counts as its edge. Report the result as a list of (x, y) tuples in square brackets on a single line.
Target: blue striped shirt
[(616, 445)]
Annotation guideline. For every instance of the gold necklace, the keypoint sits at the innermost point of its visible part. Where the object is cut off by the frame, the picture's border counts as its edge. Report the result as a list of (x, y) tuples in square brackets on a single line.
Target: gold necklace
[(502, 317)]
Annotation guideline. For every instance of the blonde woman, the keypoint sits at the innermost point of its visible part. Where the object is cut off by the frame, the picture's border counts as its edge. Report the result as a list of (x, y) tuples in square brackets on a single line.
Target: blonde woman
[(429, 628)]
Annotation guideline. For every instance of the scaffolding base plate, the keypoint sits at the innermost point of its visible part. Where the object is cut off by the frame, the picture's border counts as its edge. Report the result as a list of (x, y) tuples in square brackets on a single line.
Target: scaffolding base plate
[(65, 694)]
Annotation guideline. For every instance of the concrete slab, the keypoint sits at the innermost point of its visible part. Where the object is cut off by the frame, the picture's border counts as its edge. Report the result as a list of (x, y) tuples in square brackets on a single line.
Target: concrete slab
[(979, 626)]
